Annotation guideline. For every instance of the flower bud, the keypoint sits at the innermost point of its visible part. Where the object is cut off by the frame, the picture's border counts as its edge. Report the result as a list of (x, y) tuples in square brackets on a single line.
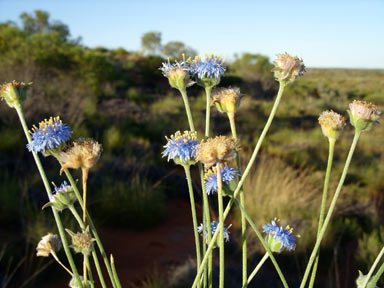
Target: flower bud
[(332, 124), (362, 115), (81, 242), (178, 74), (227, 100), (63, 197), (48, 244), (288, 68), (14, 93)]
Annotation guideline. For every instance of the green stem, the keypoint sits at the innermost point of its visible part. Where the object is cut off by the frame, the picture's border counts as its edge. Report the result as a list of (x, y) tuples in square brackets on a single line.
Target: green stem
[(323, 204), (365, 283), (94, 254), (117, 280), (92, 226), (331, 208), (372, 283), (221, 224), (49, 192), (257, 268), (208, 110), (187, 109), (231, 117), (88, 265), (240, 184), (60, 263), (265, 245), (194, 218)]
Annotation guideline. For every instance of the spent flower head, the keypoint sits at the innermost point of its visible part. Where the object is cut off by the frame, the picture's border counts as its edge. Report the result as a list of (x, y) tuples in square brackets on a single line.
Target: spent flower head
[(207, 73), (214, 226), (363, 115), (84, 154), (82, 242), (50, 135), (288, 68), (331, 123), (228, 174), (279, 238), (181, 148), (227, 100), (216, 150), (50, 243), (178, 74), (14, 93), (63, 197)]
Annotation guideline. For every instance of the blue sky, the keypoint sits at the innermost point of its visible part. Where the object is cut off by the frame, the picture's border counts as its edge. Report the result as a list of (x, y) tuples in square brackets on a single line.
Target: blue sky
[(324, 33)]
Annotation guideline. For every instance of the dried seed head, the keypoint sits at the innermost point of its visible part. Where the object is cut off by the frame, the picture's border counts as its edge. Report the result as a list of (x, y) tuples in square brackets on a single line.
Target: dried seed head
[(331, 124), (81, 242), (216, 150), (363, 115), (288, 68), (226, 99), (48, 244), (14, 93), (83, 154)]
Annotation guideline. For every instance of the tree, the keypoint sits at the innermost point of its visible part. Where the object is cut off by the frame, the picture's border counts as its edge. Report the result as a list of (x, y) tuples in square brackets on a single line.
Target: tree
[(151, 43), (175, 49)]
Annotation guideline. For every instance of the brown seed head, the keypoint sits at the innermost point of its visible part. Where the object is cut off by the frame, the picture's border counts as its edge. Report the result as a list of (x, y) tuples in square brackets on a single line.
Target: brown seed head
[(288, 67), (48, 244), (227, 99), (364, 110), (216, 150), (331, 123)]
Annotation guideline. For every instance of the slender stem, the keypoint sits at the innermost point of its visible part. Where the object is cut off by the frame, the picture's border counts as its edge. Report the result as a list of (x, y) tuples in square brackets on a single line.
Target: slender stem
[(257, 268), (242, 179), (262, 240), (208, 110), (85, 178), (62, 265), (49, 192), (377, 260), (92, 226), (94, 254), (194, 218), (331, 208), (231, 117), (89, 271), (323, 204), (114, 271), (221, 224), (187, 109)]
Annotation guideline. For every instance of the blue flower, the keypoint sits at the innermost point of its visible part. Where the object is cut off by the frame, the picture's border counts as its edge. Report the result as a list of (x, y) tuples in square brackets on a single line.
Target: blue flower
[(64, 187), (50, 135), (280, 237), (227, 175), (181, 147), (212, 67), (214, 226), (167, 67)]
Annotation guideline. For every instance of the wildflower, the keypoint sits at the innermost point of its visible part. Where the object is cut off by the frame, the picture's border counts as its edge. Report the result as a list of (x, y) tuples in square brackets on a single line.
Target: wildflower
[(207, 73), (181, 147), (227, 99), (331, 124), (14, 93), (216, 150), (81, 242), (50, 134), (278, 237), (228, 174), (84, 154), (74, 284), (178, 74), (48, 244), (288, 68), (214, 226), (362, 114), (63, 197)]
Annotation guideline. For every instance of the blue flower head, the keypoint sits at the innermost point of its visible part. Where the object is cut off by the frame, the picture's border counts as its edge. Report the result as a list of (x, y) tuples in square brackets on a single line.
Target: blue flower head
[(63, 197), (227, 174), (279, 237), (212, 67), (64, 187), (214, 226), (178, 74), (181, 147), (49, 135)]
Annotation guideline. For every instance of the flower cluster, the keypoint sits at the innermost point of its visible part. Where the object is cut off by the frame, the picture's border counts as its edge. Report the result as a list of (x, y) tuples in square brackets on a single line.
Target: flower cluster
[(331, 124), (81, 242), (178, 74), (214, 226), (212, 67), (48, 244), (181, 147), (49, 135), (228, 174), (216, 150), (278, 237), (288, 68)]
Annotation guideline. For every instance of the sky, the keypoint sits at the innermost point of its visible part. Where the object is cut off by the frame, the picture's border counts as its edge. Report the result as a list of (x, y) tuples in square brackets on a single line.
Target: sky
[(338, 33)]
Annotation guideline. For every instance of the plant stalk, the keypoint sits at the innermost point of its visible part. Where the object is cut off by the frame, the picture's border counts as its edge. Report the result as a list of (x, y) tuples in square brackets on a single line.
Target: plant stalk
[(257, 268), (221, 224), (377, 260), (187, 109), (208, 110)]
